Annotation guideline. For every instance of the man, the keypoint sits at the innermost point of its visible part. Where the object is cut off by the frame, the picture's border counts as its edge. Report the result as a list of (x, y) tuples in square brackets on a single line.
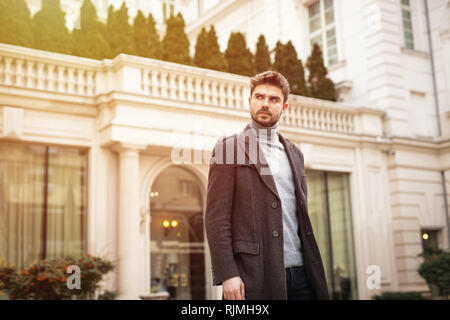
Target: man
[(259, 233)]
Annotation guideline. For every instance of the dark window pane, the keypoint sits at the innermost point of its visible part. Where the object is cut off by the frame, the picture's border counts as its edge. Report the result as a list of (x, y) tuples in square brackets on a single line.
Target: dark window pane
[(329, 209)]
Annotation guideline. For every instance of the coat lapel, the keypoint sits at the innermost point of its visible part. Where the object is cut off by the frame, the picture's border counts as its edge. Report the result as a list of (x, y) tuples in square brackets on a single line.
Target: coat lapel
[(293, 158), (294, 161), (248, 143), (257, 159)]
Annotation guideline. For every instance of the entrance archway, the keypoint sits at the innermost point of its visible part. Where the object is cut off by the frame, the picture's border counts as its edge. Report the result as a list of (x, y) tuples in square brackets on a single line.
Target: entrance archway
[(177, 245)]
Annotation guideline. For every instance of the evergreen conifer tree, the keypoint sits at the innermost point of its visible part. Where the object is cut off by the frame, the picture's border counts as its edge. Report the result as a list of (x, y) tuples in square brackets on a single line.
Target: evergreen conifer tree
[(146, 38), (175, 42), (15, 23), (141, 35), (238, 56), (293, 70), (278, 63), (287, 63), (119, 32), (89, 40), (207, 51), (262, 56), (154, 42), (320, 85), (201, 49), (50, 31), (216, 60)]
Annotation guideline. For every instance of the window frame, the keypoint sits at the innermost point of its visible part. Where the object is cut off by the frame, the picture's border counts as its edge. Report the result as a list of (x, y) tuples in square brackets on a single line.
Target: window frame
[(47, 149), (168, 8), (322, 31), (324, 177), (434, 233), (407, 8)]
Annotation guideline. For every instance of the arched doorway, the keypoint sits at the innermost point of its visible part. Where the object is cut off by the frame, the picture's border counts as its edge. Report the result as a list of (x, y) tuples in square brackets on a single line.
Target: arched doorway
[(177, 245)]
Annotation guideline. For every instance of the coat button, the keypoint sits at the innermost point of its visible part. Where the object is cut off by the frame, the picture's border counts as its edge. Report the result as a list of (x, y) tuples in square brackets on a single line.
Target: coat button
[(275, 234), (274, 204)]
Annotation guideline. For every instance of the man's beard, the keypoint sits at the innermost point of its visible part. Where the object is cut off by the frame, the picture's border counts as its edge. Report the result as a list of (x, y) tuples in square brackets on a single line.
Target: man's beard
[(271, 124)]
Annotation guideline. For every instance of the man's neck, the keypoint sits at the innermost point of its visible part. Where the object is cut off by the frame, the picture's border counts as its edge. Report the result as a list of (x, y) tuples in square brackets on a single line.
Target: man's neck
[(265, 133)]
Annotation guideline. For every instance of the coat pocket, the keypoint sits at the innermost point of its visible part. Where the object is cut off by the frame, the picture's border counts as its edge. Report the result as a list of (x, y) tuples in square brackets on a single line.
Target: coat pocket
[(240, 246)]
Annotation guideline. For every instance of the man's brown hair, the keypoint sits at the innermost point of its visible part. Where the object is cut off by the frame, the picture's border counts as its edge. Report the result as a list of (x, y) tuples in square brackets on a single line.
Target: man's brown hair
[(273, 78)]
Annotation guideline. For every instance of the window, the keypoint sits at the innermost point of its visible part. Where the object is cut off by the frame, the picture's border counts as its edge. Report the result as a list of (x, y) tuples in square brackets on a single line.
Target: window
[(407, 24), (429, 239), (168, 9), (322, 29), (329, 207), (42, 203)]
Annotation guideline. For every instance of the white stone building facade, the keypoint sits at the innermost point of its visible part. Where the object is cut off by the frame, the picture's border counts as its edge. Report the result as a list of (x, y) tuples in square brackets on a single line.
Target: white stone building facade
[(377, 161)]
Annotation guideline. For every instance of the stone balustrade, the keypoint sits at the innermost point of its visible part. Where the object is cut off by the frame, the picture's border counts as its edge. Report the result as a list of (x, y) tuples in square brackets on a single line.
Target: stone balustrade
[(206, 89), (40, 70), (326, 116), (35, 69)]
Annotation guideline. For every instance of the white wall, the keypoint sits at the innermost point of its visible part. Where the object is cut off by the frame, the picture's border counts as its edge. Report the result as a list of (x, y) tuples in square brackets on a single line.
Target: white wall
[(371, 50)]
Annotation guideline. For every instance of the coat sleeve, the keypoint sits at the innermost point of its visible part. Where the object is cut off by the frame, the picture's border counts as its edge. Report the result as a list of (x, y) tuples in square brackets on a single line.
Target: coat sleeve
[(219, 203)]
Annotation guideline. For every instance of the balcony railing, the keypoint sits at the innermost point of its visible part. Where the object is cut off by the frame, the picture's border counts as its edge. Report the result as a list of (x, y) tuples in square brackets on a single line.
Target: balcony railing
[(205, 89), (34, 69), (326, 116), (40, 70)]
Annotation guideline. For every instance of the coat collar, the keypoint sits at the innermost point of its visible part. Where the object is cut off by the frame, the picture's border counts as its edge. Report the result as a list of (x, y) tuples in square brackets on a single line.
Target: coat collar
[(247, 141)]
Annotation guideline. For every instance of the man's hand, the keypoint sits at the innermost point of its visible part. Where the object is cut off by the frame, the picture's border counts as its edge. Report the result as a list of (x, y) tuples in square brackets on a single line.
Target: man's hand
[(233, 289)]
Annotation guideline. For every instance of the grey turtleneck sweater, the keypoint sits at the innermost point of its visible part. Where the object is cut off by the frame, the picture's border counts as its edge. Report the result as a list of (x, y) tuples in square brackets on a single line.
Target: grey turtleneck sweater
[(280, 168)]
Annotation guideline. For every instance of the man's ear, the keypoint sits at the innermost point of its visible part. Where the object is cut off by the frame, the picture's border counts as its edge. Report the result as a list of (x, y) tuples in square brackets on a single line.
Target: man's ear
[(285, 106)]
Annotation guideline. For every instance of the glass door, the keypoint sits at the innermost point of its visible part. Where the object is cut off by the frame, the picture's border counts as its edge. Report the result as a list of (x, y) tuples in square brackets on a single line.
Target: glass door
[(330, 214), (177, 236)]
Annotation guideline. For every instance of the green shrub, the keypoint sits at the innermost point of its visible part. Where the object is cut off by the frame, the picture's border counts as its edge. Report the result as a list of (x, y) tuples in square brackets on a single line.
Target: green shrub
[(108, 295), (47, 279), (436, 270), (399, 295)]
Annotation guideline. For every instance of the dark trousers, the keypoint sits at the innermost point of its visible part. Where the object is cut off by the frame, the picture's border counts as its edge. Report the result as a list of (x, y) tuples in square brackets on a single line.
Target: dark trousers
[(298, 285)]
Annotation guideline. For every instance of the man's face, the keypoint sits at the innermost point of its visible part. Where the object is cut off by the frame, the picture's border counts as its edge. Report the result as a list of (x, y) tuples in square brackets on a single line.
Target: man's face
[(266, 104)]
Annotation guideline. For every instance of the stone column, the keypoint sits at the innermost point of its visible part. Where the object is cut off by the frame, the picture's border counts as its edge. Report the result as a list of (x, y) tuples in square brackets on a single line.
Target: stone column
[(130, 265)]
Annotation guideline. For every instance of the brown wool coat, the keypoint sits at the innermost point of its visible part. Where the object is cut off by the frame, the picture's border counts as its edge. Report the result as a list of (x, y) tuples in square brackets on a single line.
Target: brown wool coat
[(244, 225)]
